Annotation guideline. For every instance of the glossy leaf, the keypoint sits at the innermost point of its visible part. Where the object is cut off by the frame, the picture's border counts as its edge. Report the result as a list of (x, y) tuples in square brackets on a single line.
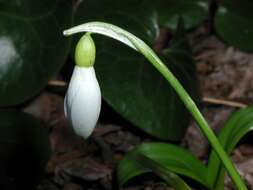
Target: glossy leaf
[(32, 48), (130, 84), (193, 12), (168, 156), (169, 177), (235, 128), (233, 23), (24, 150)]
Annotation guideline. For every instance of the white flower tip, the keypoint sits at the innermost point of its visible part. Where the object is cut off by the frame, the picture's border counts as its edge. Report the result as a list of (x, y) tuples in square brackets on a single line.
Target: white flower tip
[(82, 103)]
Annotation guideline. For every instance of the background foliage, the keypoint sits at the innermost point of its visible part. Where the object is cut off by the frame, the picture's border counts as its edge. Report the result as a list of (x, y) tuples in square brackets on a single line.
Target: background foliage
[(33, 50)]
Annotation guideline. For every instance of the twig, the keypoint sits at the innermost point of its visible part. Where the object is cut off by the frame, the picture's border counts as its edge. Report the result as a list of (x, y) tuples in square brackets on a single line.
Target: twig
[(224, 102), (57, 83), (205, 99)]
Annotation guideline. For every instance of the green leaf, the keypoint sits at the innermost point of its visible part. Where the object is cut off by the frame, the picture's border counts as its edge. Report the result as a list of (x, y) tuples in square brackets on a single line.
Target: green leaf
[(193, 12), (24, 150), (240, 123), (233, 23), (32, 48), (168, 156), (169, 177), (131, 85)]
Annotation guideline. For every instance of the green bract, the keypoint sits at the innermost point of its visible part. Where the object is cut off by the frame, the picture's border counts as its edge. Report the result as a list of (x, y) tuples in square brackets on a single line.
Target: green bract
[(85, 51)]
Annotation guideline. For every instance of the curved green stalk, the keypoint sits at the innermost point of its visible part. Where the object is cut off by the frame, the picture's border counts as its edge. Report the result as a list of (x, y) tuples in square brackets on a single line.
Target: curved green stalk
[(140, 46)]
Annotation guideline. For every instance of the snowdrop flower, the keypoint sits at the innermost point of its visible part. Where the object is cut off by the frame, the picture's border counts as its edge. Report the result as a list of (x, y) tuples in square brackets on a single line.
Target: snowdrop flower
[(82, 102)]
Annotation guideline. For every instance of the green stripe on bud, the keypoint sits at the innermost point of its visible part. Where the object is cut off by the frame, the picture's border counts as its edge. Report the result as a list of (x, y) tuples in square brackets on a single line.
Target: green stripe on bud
[(85, 52)]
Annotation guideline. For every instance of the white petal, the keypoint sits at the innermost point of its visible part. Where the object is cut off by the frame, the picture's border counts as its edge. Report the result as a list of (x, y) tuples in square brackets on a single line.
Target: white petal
[(82, 102)]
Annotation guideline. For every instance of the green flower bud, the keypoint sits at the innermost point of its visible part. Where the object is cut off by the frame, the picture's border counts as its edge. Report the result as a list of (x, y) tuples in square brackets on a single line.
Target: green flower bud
[(85, 51)]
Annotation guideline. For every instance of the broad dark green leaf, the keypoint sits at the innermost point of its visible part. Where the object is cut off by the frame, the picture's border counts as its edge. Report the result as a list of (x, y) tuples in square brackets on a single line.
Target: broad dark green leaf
[(24, 150), (169, 177), (193, 12), (233, 22), (128, 82), (32, 47), (235, 128), (168, 156)]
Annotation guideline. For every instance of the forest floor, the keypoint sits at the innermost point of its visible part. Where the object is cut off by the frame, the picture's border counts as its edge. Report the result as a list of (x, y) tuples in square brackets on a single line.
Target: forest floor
[(225, 78)]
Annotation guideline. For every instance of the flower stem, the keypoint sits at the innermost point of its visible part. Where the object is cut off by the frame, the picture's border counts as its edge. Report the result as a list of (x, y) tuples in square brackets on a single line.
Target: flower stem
[(191, 106), (137, 44)]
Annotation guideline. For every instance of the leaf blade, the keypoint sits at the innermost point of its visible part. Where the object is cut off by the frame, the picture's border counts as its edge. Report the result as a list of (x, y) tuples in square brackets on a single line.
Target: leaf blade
[(30, 54), (167, 156), (169, 177), (233, 23), (239, 124)]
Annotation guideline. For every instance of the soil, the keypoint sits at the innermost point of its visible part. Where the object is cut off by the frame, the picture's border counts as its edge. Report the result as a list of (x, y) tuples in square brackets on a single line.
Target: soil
[(225, 76)]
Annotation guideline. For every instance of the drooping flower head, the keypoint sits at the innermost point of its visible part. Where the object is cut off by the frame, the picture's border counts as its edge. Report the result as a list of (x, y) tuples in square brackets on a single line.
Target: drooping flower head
[(82, 102)]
